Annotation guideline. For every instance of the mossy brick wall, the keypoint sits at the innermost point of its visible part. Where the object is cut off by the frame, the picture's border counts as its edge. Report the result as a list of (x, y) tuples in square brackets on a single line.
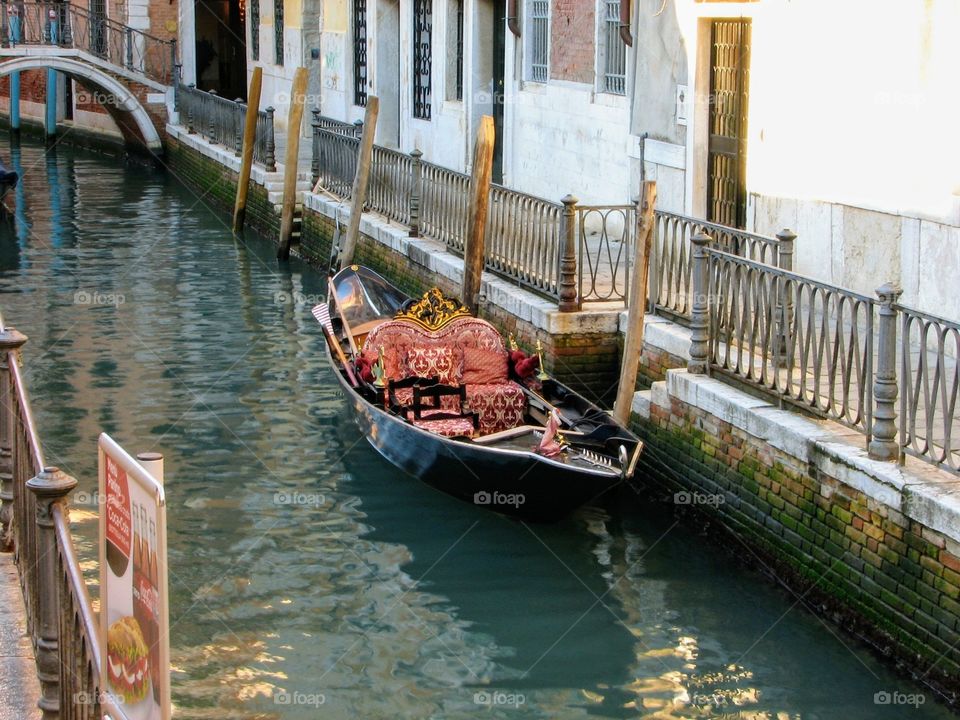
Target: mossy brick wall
[(894, 582), (218, 184), (588, 362), (654, 363)]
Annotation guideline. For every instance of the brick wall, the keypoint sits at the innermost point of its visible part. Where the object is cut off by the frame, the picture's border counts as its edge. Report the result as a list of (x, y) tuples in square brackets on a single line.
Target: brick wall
[(33, 86), (885, 577), (218, 185), (572, 40)]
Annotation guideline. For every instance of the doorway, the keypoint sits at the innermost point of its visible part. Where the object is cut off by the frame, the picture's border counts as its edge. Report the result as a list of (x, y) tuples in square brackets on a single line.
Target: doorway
[(388, 73), (727, 144), (489, 47)]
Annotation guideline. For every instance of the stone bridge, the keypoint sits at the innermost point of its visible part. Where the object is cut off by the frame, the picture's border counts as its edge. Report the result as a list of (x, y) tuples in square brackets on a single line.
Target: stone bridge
[(129, 72)]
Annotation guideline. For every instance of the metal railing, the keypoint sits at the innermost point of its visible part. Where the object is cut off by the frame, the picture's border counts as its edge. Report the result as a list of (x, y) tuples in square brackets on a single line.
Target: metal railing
[(60, 616), (928, 386), (221, 121), (71, 26), (830, 351), (523, 232)]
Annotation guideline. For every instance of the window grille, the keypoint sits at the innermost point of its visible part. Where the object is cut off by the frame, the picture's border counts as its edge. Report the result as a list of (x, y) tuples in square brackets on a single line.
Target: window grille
[(360, 52), (614, 51), (539, 40), (422, 58)]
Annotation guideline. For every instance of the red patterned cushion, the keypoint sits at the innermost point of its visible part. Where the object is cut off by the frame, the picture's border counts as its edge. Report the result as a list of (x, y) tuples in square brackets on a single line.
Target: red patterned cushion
[(483, 367), (448, 427), (500, 406), (404, 398), (439, 362)]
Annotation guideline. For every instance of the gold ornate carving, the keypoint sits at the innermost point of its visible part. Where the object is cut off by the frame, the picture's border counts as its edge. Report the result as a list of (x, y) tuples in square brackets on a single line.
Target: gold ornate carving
[(433, 310)]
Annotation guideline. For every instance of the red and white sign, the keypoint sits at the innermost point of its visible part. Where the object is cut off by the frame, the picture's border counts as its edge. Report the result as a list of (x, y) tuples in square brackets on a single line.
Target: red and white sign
[(134, 619)]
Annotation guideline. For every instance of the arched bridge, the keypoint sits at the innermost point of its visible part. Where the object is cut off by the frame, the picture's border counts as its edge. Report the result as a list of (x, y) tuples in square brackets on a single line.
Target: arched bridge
[(128, 71)]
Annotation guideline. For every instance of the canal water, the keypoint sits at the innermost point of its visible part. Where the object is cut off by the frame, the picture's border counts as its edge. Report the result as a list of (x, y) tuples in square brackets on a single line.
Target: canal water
[(308, 578)]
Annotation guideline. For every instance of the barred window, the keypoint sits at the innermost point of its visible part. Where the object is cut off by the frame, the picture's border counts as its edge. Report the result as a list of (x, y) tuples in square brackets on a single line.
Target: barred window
[(255, 29), (360, 52), (539, 40), (454, 50), (422, 57), (614, 51), (278, 30)]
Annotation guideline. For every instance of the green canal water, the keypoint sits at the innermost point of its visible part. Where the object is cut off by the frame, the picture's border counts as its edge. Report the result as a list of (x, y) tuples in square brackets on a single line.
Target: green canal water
[(308, 578)]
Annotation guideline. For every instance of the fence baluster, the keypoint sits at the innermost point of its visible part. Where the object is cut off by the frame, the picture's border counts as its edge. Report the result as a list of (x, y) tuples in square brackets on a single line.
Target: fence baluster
[(699, 322), (271, 160), (884, 444), (50, 487), (10, 343)]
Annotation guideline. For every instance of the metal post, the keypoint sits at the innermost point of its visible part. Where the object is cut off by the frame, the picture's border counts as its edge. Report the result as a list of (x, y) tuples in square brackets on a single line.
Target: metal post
[(358, 128), (700, 310), (175, 68), (10, 343), (315, 148), (270, 161), (884, 445), (416, 191), (4, 28), (569, 302), (128, 38), (785, 249), (238, 127), (653, 276), (784, 307), (176, 89), (67, 38), (50, 487), (190, 104), (213, 111)]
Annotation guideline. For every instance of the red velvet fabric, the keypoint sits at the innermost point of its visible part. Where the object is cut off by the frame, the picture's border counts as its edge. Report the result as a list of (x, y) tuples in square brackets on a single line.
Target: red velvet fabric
[(484, 367)]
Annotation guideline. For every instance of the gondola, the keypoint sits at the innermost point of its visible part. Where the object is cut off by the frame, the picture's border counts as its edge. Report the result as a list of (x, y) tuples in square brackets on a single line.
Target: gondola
[(487, 430)]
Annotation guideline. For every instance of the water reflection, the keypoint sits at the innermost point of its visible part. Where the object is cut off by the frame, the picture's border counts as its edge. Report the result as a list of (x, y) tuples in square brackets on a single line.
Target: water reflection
[(306, 569)]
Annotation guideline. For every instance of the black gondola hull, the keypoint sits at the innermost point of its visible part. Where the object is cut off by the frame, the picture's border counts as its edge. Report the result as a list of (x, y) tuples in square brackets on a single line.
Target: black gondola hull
[(518, 484)]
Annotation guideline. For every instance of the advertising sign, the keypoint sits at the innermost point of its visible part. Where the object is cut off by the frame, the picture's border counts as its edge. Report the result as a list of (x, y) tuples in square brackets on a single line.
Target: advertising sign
[(134, 621)]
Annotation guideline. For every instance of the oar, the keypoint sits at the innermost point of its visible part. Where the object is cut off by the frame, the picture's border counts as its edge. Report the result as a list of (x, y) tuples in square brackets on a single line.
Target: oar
[(322, 313)]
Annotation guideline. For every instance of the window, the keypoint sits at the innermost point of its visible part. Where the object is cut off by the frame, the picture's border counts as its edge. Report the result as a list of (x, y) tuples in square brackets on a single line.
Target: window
[(255, 29), (360, 52), (454, 50), (614, 50), (278, 30), (422, 57), (539, 40)]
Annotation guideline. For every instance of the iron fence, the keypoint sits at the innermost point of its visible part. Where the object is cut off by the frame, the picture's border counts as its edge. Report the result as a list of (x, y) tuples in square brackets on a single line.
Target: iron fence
[(337, 160), (805, 342), (929, 382), (67, 25), (221, 121), (60, 617)]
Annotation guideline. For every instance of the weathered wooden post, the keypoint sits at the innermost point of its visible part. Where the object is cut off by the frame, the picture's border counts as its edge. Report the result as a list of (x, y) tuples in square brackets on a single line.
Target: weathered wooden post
[(50, 487), (270, 160), (416, 191), (290, 169), (249, 141), (314, 148), (633, 344), (569, 300), (700, 320), (478, 202), (884, 445), (361, 179), (10, 343)]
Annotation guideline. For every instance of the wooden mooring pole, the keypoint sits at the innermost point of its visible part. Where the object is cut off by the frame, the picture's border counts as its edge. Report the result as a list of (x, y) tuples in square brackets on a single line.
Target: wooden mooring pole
[(249, 140), (633, 344), (290, 168), (361, 180), (477, 213)]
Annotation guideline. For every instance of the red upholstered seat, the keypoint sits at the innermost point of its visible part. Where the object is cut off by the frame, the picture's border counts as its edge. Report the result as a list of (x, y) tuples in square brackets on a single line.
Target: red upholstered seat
[(474, 346), (446, 426)]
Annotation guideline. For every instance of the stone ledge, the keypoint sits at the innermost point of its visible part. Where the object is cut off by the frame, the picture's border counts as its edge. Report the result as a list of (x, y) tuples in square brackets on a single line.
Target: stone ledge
[(918, 490), (434, 255)]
